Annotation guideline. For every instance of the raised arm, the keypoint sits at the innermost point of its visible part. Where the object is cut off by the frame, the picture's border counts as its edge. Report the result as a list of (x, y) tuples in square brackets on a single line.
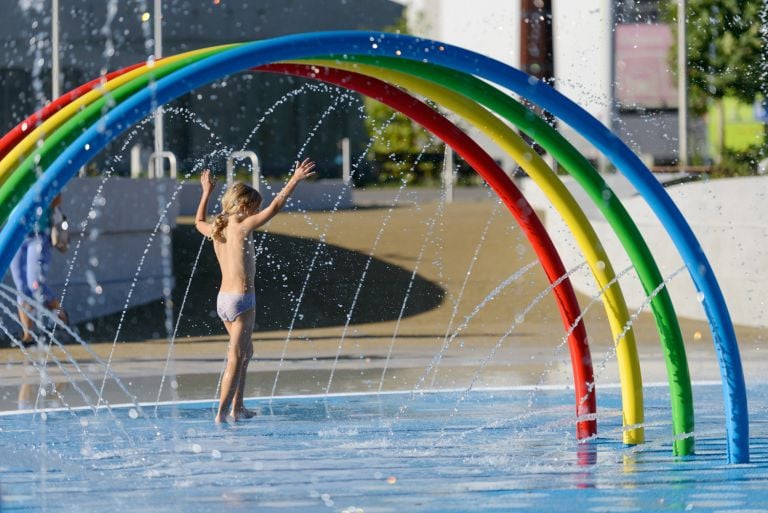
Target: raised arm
[(203, 226), (301, 172)]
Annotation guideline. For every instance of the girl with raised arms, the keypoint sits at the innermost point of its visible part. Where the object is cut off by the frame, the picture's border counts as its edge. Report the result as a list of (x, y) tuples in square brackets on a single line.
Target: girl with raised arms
[(232, 234)]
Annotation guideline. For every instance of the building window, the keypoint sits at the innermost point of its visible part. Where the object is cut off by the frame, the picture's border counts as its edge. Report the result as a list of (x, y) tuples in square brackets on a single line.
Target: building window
[(637, 11)]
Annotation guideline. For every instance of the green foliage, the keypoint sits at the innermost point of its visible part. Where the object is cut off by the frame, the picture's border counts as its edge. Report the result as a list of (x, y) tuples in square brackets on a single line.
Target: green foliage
[(724, 50), (741, 162), (401, 149)]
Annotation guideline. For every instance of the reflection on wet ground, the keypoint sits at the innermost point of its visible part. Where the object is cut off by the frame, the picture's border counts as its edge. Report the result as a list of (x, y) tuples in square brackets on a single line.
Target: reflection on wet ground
[(494, 450)]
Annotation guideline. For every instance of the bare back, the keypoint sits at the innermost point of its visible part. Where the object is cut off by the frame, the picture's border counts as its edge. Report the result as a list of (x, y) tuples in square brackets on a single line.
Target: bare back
[(236, 258)]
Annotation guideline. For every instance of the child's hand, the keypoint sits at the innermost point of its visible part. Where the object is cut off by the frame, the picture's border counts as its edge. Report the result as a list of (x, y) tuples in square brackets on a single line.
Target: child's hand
[(207, 181), (304, 170)]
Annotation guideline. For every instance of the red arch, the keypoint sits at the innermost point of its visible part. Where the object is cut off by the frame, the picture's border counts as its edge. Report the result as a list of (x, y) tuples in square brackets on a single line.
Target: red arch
[(581, 360)]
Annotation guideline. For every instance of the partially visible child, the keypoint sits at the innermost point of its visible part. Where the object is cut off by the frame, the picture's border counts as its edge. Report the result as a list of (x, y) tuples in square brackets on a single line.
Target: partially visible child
[(29, 268), (231, 232)]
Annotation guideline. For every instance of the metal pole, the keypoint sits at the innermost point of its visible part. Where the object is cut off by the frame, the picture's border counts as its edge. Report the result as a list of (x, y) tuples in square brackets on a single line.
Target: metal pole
[(448, 174), (682, 87), (55, 84), (611, 114), (159, 144), (136, 161), (346, 167), (55, 62)]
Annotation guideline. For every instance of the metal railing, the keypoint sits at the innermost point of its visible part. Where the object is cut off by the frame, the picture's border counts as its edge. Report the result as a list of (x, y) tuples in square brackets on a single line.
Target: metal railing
[(346, 161), (449, 175), (255, 167), (156, 171)]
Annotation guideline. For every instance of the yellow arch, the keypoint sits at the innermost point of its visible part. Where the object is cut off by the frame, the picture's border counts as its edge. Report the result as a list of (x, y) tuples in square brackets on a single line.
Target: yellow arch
[(629, 369), (567, 207)]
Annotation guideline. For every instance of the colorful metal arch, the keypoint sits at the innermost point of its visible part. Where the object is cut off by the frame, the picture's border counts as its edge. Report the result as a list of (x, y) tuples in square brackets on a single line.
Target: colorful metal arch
[(378, 44), (631, 384)]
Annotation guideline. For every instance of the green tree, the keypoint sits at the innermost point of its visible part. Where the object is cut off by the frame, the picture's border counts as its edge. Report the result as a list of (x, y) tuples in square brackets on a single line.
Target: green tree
[(726, 58), (401, 149), (725, 50)]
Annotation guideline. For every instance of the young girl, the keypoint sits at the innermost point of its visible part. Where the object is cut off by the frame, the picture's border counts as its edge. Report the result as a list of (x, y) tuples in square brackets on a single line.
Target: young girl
[(231, 232)]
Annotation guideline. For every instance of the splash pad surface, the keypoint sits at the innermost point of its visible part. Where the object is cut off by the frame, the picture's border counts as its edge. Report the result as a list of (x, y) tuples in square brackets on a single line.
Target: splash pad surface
[(509, 449)]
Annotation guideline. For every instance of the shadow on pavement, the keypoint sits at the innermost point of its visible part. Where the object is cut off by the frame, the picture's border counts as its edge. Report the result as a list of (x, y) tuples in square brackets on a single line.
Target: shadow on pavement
[(282, 280)]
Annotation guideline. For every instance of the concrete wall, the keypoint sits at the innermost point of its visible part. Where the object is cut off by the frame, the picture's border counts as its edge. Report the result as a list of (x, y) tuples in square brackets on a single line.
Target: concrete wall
[(112, 243), (583, 68), (727, 217), (113, 223), (314, 195)]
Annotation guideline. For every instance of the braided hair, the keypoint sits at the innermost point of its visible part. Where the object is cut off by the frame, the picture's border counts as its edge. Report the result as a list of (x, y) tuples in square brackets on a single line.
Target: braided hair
[(239, 197)]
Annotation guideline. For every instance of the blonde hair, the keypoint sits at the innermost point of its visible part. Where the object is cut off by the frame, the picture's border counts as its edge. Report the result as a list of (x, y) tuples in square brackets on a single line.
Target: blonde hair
[(239, 197)]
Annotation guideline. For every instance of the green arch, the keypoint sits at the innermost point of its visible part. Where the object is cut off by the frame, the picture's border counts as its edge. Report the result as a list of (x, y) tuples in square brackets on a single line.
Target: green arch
[(456, 78), (668, 327)]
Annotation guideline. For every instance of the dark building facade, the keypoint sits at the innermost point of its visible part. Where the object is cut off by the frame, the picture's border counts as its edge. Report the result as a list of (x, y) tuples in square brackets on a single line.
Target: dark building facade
[(245, 111)]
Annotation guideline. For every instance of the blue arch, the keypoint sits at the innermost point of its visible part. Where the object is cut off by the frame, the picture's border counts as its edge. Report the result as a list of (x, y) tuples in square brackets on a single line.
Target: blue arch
[(318, 44)]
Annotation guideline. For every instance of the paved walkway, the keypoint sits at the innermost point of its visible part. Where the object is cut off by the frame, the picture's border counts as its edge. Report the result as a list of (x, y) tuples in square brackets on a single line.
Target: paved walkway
[(472, 239)]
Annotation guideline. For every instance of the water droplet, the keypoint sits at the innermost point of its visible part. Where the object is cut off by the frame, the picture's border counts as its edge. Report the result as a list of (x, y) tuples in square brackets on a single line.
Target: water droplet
[(132, 413)]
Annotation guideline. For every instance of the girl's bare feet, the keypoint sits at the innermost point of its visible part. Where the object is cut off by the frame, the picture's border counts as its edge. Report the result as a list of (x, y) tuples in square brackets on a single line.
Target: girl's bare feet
[(243, 413), (27, 341)]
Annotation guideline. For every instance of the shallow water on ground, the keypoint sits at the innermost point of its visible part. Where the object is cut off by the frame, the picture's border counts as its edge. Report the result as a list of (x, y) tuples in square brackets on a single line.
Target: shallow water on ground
[(495, 450)]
